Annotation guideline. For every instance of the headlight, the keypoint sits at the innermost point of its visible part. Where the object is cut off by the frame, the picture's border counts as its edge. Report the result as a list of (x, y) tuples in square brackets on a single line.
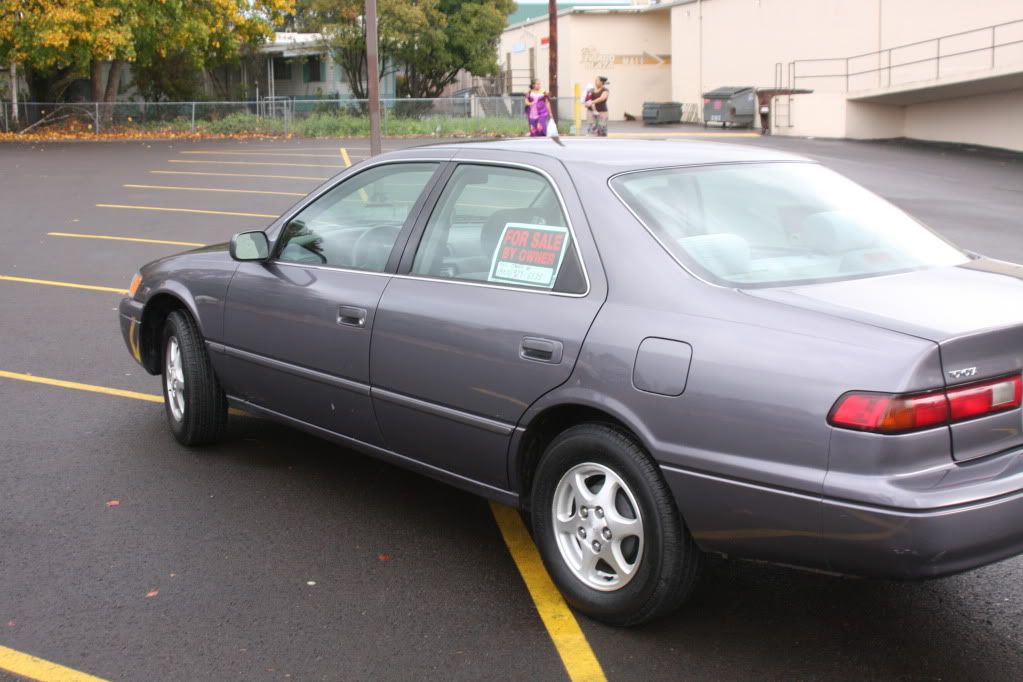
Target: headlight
[(136, 280)]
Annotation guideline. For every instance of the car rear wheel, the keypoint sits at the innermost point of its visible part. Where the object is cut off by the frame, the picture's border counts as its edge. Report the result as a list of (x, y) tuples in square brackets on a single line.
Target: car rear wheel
[(193, 400), (608, 529)]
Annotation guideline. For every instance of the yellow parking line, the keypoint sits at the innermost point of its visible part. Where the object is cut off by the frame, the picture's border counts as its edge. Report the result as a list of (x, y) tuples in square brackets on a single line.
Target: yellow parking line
[(217, 189), (255, 163), (316, 156), (347, 159), (576, 655), (35, 668), (92, 388), (122, 239), (241, 175), (188, 210), (53, 283)]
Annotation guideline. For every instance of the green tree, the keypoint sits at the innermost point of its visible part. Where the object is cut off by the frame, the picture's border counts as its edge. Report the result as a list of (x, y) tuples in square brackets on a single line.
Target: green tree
[(467, 40), (427, 42)]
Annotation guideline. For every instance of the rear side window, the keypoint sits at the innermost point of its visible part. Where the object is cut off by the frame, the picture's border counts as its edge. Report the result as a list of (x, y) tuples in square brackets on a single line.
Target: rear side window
[(500, 226), (773, 224), (356, 224)]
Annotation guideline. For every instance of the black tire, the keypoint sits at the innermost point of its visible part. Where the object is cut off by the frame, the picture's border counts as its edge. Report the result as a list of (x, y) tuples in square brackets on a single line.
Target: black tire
[(669, 560), (204, 414)]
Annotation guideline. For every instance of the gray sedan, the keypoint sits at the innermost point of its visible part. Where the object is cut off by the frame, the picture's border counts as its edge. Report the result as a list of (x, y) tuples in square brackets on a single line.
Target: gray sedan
[(656, 350)]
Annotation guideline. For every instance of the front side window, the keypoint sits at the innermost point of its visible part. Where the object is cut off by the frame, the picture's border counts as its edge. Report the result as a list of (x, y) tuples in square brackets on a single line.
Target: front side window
[(773, 224), (356, 224), (501, 226)]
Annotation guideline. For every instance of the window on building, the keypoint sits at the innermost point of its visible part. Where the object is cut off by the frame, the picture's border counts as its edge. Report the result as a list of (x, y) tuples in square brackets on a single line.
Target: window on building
[(282, 69), (312, 69)]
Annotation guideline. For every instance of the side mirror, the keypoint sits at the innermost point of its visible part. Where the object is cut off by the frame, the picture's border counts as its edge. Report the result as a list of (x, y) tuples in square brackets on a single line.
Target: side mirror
[(250, 246)]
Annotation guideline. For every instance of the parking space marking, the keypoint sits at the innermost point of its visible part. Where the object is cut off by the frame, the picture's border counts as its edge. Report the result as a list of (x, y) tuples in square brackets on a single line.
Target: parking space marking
[(217, 189), (576, 654), (35, 668), (54, 283), (91, 388), (301, 154), (188, 210), (256, 163), (122, 239), (242, 175)]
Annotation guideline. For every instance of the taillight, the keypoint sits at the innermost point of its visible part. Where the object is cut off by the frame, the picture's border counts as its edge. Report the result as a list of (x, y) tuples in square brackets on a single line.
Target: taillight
[(885, 413), (976, 400), (888, 413)]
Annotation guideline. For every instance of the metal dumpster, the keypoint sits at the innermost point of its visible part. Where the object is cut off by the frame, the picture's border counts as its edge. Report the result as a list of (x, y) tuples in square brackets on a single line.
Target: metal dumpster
[(662, 112), (731, 107)]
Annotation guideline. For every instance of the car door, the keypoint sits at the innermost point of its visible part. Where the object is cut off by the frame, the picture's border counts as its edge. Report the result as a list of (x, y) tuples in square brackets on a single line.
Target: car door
[(297, 328), (497, 289)]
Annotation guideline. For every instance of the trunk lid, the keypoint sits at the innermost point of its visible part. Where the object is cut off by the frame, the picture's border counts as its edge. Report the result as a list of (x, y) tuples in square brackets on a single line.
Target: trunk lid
[(974, 312)]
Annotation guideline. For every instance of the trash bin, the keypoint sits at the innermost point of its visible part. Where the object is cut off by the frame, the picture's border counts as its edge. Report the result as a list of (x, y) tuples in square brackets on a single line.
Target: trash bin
[(732, 107), (661, 112)]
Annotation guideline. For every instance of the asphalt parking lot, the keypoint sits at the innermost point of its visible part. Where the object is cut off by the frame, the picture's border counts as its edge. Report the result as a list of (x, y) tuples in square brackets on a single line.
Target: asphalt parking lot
[(277, 556)]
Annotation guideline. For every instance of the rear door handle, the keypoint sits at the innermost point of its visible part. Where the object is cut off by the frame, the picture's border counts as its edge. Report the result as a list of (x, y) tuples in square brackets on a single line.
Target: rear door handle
[(351, 316), (541, 350)]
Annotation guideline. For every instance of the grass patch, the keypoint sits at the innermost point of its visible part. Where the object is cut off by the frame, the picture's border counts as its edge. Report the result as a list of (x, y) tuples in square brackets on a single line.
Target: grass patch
[(317, 124)]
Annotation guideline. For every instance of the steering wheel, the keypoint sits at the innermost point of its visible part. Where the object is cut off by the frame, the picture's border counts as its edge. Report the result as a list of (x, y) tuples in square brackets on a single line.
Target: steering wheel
[(372, 242)]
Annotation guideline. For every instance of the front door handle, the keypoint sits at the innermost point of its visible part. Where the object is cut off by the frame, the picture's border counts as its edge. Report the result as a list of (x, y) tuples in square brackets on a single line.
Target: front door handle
[(351, 316), (541, 350)]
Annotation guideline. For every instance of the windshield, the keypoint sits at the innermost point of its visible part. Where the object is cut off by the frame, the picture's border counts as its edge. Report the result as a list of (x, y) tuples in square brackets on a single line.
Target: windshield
[(769, 224)]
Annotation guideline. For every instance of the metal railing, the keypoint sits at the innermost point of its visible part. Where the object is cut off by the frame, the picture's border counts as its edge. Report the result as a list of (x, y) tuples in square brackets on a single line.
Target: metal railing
[(979, 49), (282, 115)]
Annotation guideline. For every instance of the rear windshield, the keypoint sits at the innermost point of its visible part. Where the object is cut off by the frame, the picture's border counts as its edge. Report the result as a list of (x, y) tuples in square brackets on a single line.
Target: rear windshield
[(770, 224)]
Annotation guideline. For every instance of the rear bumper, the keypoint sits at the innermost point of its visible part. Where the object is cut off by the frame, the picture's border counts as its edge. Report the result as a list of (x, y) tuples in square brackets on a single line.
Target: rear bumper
[(756, 522), (892, 543), (130, 315)]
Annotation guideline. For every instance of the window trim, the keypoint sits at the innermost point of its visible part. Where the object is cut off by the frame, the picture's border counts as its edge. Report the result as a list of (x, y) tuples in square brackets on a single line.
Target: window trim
[(419, 232), (439, 174)]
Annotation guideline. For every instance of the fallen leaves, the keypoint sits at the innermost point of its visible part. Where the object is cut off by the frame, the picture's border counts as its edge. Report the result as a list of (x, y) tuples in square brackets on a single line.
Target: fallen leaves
[(113, 503), (152, 593), (384, 557)]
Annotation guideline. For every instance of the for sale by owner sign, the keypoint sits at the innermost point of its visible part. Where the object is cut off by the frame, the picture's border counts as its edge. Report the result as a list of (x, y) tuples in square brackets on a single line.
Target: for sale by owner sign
[(529, 254)]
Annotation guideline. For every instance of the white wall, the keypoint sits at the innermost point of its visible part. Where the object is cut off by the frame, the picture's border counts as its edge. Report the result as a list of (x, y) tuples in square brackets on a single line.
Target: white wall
[(993, 120), (627, 48), (742, 40)]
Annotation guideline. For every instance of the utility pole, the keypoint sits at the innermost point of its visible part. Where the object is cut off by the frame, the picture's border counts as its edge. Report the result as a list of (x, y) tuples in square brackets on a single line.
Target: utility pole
[(373, 73), (14, 90), (552, 50)]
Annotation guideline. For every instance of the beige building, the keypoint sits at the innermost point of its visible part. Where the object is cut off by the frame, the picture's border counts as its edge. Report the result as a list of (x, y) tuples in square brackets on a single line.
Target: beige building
[(942, 70)]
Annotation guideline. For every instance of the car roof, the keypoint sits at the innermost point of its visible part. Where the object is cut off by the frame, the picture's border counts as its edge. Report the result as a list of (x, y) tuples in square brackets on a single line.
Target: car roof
[(615, 156)]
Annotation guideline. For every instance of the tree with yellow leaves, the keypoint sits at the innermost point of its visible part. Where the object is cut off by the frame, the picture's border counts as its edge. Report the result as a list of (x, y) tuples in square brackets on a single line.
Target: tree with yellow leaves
[(59, 41)]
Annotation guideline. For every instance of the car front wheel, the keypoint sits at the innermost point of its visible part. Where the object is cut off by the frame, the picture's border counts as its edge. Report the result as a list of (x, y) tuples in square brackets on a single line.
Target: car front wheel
[(608, 529), (193, 400)]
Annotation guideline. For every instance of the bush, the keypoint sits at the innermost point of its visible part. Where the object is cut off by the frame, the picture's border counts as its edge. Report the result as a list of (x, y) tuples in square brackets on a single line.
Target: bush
[(238, 123)]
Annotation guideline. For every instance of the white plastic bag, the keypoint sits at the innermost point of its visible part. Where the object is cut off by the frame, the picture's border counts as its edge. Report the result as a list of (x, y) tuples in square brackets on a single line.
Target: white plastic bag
[(552, 128)]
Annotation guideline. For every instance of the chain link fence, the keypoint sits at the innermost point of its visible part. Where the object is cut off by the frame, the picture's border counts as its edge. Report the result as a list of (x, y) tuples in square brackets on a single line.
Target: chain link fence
[(310, 117)]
